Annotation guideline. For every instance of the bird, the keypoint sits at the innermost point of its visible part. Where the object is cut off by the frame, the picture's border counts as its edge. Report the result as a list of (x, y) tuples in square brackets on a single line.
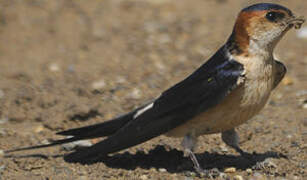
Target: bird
[(223, 93)]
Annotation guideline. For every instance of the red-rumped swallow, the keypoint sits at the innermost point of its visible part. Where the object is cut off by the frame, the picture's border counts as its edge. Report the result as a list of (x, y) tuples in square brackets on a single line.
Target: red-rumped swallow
[(226, 91)]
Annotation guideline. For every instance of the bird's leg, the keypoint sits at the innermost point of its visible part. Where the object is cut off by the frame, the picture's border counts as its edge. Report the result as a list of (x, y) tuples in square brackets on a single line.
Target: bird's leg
[(231, 138), (188, 144)]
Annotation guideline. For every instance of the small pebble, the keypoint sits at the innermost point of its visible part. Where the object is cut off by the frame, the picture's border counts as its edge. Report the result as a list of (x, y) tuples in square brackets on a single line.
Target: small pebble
[(54, 67), (214, 172), (2, 168), (238, 177), (160, 66), (230, 170), (190, 174), (304, 104), (1, 153), (302, 33), (258, 176), (301, 93), (270, 164), (267, 164), (2, 132), (45, 141), (100, 84), (223, 176), (295, 177), (287, 81), (224, 148), (39, 129), (289, 136), (135, 94), (144, 177), (162, 170), (121, 79), (4, 120), (249, 171)]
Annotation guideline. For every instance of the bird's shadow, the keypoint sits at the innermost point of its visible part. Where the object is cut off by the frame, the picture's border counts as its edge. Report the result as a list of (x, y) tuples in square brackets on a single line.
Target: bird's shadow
[(173, 160)]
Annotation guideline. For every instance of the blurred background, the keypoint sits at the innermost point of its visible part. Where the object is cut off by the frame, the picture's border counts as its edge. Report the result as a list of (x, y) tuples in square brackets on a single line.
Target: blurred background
[(69, 63)]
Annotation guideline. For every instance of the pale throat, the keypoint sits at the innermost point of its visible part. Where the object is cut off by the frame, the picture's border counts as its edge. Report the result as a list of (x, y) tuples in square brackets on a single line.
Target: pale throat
[(261, 49), (265, 44)]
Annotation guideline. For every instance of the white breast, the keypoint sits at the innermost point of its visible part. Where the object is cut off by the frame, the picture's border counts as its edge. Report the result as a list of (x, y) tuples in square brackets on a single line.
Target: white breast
[(259, 81)]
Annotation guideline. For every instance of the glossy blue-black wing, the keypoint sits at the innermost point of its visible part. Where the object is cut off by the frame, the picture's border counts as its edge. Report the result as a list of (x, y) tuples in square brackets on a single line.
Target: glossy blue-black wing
[(202, 90)]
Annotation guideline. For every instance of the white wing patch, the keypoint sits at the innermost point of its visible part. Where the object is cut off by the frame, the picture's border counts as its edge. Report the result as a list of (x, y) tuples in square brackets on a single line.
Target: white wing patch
[(141, 111)]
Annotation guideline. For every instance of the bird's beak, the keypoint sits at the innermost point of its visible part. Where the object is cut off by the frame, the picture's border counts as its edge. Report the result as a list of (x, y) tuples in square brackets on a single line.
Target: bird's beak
[(296, 22)]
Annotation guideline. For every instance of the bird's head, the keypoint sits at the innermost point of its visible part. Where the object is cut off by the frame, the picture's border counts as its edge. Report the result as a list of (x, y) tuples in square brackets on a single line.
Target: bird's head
[(259, 27)]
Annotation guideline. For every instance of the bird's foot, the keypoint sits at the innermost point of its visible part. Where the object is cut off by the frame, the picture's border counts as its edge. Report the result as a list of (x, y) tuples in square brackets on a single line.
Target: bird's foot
[(231, 138), (199, 170), (197, 167)]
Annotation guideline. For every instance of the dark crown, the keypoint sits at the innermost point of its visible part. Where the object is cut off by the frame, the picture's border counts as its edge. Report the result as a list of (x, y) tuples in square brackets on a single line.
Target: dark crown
[(266, 6)]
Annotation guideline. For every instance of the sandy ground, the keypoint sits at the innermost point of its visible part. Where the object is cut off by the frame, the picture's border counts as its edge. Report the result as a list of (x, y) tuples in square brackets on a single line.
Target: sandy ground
[(65, 64)]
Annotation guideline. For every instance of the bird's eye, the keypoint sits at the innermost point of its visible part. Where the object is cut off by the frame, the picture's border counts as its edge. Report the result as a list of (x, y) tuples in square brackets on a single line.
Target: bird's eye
[(274, 16)]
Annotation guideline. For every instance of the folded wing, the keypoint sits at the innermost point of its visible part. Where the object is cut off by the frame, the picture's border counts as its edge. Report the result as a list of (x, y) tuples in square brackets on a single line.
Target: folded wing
[(202, 90)]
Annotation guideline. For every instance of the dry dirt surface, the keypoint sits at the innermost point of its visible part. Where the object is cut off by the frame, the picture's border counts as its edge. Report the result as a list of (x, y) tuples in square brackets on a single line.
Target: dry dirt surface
[(66, 64)]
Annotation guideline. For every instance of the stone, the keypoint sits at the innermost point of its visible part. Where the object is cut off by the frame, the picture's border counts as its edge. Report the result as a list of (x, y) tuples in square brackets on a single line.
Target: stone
[(54, 67), (162, 170), (287, 81), (39, 129), (4, 120), (249, 171), (1, 153), (230, 170), (238, 177), (100, 84), (143, 177)]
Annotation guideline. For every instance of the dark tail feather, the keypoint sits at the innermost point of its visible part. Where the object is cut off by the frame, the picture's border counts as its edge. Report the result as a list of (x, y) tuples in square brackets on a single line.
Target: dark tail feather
[(133, 133), (101, 149), (57, 142), (98, 130)]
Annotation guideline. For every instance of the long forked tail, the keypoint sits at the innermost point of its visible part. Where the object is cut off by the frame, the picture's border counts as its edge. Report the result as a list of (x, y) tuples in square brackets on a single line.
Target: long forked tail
[(93, 131)]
